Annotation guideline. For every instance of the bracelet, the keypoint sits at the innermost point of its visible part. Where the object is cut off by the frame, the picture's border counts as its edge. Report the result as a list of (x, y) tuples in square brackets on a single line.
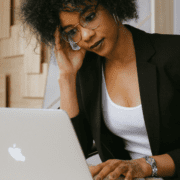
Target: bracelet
[(152, 162)]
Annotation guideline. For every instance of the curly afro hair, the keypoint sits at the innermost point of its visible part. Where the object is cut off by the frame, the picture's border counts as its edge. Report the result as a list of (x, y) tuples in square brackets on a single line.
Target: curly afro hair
[(42, 16)]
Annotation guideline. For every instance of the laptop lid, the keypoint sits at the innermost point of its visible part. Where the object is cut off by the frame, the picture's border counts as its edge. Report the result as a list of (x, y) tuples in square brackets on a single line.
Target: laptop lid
[(40, 144)]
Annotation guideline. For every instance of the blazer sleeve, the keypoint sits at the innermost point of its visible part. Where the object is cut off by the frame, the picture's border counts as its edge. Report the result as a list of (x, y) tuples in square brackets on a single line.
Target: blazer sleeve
[(175, 155), (173, 71), (83, 133), (81, 125)]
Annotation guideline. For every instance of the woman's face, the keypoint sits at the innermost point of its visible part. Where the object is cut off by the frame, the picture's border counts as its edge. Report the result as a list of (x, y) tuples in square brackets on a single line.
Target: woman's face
[(106, 33)]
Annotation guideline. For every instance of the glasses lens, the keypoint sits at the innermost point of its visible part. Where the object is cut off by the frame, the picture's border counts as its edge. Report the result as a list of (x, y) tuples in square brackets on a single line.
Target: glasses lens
[(72, 34), (90, 19)]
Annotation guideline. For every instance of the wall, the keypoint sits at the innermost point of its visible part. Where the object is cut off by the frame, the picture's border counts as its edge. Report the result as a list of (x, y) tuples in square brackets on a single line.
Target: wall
[(164, 15), (23, 73), (13, 68), (176, 17)]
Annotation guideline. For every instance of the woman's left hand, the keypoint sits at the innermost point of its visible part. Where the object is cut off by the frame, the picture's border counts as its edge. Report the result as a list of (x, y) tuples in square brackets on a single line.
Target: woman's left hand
[(113, 168)]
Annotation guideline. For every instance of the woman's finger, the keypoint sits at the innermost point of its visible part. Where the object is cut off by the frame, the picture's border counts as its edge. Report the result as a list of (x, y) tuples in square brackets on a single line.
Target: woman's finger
[(59, 42), (118, 171), (96, 169), (129, 175), (105, 171), (58, 49), (57, 39)]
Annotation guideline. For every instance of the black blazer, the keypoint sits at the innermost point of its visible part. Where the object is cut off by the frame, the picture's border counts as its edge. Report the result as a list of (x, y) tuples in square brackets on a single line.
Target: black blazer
[(158, 66)]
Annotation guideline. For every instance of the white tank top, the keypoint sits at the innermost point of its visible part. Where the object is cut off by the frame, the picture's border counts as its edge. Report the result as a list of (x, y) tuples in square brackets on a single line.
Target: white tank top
[(127, 123)]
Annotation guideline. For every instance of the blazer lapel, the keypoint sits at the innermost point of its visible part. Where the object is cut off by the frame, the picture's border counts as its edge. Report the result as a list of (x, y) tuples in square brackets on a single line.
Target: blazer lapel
[(147, 77), (149, 100), (90, 85)]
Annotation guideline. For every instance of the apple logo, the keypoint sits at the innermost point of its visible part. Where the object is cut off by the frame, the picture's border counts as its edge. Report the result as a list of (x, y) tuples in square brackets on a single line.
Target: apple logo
[(16, 153)]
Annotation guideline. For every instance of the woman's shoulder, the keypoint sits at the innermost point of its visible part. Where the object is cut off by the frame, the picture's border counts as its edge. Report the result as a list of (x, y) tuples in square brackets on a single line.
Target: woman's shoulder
[(167, 55), (165, 41), (162, 43), (166, 48)]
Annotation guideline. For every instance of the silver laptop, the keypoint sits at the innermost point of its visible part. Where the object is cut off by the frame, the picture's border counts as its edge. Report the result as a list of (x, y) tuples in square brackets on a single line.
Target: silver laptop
[(39, 144)]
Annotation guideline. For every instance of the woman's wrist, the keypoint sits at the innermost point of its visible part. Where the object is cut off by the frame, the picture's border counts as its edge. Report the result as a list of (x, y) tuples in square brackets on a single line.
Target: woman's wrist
[(146, 168), (67, 79), (67, 75), (165, 166), (68, 102)]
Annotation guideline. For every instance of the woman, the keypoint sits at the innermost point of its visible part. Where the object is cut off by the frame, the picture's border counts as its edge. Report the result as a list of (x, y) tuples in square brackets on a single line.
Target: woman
[(120, 86)]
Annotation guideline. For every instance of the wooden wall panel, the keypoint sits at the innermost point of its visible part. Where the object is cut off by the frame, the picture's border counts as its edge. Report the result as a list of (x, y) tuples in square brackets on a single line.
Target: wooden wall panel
[(13, 46), (22, 44), (2, 90), (34, 69), (34, 84), (26, 70), (164, 16), (14, 68), (5, 18), (32, 60)]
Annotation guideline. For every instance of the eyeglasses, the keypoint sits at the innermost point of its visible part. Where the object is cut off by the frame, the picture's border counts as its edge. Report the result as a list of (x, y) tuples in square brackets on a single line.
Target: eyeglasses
[(90, 19)]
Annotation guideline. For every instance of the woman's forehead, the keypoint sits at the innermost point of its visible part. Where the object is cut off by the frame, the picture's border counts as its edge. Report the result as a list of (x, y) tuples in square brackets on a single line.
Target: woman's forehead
[(69, 18), (68, 15), (71, 14)]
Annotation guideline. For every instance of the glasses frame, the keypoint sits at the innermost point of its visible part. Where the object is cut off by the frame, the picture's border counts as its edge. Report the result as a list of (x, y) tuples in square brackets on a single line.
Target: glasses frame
[(82, 26)]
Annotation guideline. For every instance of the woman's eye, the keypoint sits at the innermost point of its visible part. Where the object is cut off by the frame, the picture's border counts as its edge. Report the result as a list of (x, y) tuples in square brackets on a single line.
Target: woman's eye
[(90, 17), (72, 32)]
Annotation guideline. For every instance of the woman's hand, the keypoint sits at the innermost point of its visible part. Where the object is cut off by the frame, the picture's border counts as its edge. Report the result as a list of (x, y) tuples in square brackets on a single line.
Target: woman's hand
[(113, 168), (69, 61)]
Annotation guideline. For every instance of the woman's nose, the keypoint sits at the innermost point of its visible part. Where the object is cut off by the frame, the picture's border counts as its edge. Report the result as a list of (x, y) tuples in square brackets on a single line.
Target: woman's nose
[(87, 34)]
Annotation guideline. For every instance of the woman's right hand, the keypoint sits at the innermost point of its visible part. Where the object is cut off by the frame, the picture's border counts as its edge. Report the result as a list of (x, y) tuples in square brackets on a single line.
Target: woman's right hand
[(69, 61)]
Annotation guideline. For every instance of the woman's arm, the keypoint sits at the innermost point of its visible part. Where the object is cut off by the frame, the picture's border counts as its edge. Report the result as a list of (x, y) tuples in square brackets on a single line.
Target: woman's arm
[(165, 166), (69, 102), (69, 62), (136, 168)]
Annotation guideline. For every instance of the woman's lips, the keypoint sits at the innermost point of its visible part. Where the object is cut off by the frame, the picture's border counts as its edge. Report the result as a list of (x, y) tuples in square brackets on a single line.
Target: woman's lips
[(97, 44)]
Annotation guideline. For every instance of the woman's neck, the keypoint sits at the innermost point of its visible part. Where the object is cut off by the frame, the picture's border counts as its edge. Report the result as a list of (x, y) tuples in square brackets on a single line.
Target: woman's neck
[(124, 52)]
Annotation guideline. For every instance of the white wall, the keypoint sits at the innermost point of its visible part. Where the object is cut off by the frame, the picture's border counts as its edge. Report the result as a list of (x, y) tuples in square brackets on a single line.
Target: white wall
[(176, 17), (145, 16), (52, 93)]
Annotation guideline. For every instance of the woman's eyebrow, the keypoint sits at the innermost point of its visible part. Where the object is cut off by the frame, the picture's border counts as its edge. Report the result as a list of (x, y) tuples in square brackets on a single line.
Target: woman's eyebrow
[(85, 9), (82, 12)]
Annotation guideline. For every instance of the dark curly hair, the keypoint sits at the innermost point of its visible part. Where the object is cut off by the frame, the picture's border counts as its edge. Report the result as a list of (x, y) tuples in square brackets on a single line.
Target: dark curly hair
[(42, 16)]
